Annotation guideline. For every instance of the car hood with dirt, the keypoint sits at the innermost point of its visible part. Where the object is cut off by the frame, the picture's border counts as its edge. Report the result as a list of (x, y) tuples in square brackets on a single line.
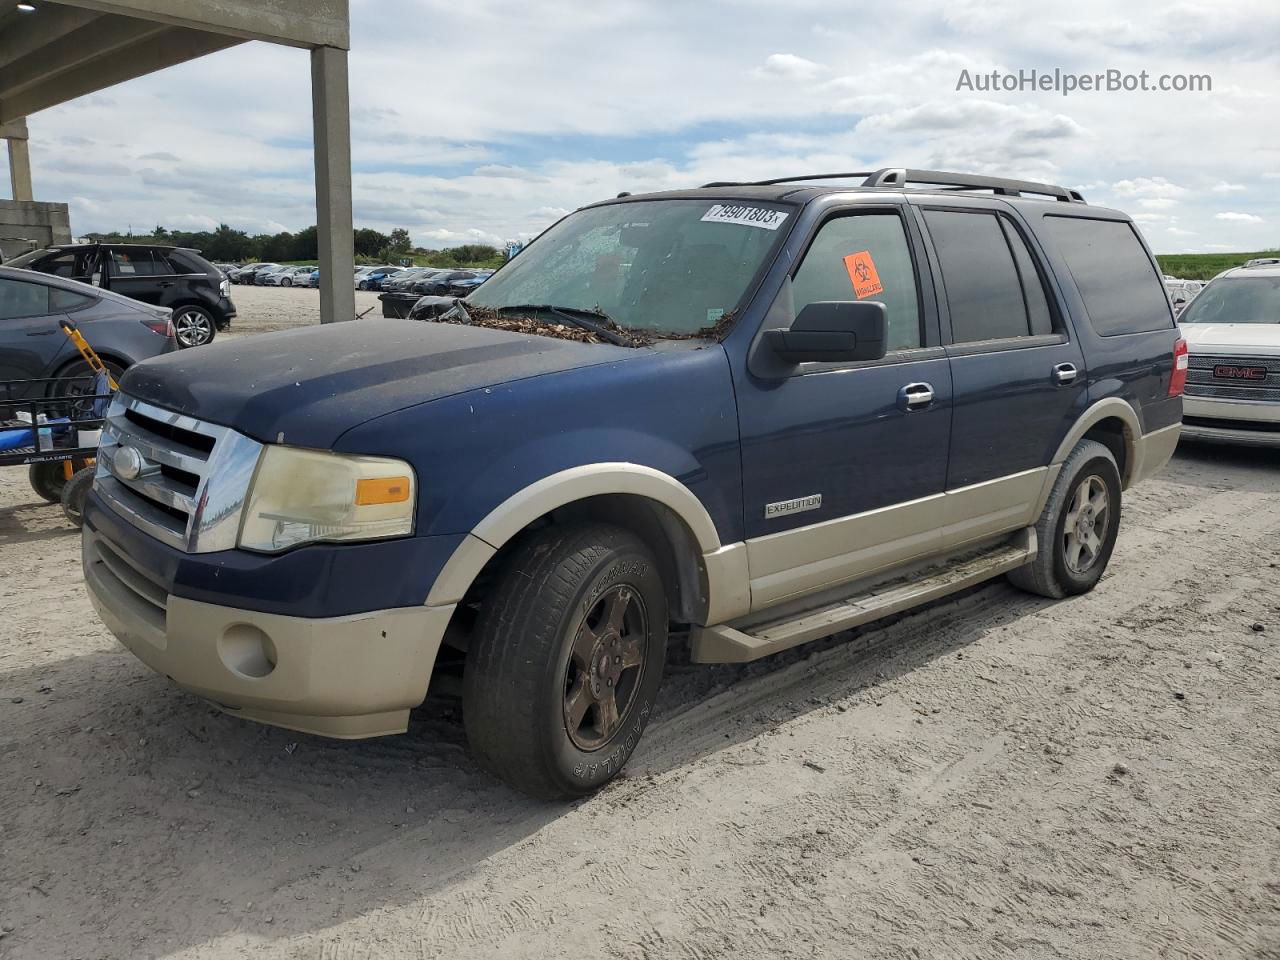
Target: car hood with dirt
[(308, 387)]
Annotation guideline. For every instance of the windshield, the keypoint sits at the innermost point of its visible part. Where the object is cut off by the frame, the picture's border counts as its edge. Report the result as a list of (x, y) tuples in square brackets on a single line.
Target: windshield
[(663, 266), (1236, 300)]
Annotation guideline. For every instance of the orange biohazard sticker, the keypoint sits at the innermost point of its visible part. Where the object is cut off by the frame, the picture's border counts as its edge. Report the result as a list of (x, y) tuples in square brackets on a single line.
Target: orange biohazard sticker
[(862, 273)]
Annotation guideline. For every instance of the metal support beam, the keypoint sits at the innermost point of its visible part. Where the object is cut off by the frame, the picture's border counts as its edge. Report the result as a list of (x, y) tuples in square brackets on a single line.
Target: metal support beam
[(331, 119)]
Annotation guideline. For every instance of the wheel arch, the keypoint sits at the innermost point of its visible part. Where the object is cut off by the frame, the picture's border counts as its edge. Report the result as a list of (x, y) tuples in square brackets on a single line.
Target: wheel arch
[(653, 505), (1114, 423)]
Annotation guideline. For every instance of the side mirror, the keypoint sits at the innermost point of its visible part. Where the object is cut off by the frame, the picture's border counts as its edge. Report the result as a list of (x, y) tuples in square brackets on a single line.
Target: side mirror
[(833, 330)]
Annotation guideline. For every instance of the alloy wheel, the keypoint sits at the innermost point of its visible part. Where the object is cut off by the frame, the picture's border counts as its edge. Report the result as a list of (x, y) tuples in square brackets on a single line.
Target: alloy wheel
[(192, 327), (1085, 526), (606, 662)]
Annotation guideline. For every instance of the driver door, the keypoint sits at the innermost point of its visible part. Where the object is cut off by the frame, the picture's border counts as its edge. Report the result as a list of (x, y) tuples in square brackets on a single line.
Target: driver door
[(845, 463)]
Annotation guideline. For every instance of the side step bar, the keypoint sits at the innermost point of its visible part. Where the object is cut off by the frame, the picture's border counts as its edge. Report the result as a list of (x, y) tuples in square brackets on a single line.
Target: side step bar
[(727, 644)]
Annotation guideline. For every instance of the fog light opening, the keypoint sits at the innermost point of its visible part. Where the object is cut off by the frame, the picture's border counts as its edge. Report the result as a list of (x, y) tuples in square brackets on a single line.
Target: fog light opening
[(247, 651)]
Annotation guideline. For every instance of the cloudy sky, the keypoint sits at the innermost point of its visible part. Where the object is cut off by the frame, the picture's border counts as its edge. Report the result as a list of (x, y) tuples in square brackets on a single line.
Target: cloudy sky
[(488, 119)]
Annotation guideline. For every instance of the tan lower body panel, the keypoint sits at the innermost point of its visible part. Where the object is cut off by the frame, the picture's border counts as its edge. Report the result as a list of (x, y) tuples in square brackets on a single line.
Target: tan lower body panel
[(1156, 449), (347, 677), (808, 559)]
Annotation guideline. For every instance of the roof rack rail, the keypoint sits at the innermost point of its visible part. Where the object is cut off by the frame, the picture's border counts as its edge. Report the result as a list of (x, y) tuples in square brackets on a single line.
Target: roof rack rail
[(901, 177), (1262, 262)]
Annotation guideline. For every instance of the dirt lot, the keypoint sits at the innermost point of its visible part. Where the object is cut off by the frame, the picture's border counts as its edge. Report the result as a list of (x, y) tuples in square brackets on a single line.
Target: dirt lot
[(264, 309), (995, 776)]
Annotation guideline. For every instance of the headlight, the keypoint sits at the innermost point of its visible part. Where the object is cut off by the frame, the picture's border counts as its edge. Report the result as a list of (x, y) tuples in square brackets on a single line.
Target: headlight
[(302, 496)]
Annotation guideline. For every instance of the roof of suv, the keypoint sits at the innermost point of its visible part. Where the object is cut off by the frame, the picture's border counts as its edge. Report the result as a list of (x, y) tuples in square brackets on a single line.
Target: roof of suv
[(1264, 267), (801, 189)]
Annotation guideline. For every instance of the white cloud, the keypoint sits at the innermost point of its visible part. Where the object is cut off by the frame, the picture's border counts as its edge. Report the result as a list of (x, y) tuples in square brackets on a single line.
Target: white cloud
[(1234, 217), (791, 67), (1228, 188), (1157, 187), (1179, 232)]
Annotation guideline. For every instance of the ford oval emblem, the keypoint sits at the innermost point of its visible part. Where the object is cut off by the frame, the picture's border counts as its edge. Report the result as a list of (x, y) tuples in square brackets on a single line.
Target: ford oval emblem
[(127, 462)]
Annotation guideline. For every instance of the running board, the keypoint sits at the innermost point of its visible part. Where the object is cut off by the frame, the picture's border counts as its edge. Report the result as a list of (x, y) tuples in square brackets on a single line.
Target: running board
[(727, 644)]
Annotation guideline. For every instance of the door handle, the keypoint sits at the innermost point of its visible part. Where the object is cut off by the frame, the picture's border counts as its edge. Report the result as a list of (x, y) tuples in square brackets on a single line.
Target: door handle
[(166, 283), (915, 396), (1065, 373)]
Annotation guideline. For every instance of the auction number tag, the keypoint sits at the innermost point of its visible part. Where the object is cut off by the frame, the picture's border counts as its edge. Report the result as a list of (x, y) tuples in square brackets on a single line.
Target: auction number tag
[(745, 216)]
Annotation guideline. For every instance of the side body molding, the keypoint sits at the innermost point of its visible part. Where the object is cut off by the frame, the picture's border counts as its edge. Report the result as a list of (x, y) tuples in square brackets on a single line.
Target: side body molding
[(723, 568)]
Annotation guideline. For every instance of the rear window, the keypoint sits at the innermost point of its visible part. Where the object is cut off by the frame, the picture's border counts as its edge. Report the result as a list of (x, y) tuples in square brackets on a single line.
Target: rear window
[(1122, 291)]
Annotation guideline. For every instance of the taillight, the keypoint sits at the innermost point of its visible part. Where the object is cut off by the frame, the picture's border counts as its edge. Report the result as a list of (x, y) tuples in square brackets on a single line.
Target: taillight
[(1181, 358), (163, 327)]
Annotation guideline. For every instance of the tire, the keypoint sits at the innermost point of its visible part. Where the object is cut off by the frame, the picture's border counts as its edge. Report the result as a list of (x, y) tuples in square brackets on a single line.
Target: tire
[(538, 677), (362, 285), (193, 326), (286, 282), (48, 480), (75, 492), (1073, 549), (76, 380)]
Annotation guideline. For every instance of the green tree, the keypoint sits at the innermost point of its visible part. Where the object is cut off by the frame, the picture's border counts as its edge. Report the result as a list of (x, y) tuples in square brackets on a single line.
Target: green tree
[(399, 241), (370, 241)]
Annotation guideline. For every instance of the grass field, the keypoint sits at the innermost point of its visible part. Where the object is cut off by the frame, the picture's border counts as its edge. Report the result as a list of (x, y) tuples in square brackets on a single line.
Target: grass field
[(1205, 266)]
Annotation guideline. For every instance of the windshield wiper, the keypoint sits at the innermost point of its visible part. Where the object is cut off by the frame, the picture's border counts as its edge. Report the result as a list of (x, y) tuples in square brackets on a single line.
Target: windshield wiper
[(576, 316)]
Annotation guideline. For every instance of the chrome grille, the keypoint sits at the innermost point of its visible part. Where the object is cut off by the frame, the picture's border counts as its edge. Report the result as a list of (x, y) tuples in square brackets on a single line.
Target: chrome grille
[(181, 480), (1201, 381)]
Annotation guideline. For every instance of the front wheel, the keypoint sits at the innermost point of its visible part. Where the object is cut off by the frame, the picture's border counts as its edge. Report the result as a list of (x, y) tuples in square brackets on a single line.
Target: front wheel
[(1077, 530), (566, 660), (193, 326), (286, 282)]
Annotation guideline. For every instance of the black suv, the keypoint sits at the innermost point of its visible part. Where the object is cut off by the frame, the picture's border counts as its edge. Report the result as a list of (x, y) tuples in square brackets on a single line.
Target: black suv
[(174, 277)]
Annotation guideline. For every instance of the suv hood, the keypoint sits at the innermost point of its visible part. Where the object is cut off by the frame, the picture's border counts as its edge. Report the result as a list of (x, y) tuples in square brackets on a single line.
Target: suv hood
[(1243, 339), (307, 387)]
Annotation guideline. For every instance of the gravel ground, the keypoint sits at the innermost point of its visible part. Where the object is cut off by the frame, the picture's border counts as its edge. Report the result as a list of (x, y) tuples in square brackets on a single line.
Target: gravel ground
[(264, 309), (995, 776)]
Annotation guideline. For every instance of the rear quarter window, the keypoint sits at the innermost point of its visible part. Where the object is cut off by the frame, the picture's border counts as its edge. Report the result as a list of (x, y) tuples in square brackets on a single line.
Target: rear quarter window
[(1121, 289)]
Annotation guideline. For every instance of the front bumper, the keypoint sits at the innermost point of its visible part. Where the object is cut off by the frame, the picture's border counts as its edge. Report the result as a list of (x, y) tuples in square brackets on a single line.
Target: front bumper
[(1249, 422), (349, 676)]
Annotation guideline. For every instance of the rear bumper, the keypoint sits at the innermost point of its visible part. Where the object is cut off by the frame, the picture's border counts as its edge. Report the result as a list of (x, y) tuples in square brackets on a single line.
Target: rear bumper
[(1252, 438), (347, 677)]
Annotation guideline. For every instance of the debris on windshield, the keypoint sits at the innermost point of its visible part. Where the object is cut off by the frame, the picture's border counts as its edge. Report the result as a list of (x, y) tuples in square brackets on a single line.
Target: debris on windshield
[(478, 316), (712, 331)]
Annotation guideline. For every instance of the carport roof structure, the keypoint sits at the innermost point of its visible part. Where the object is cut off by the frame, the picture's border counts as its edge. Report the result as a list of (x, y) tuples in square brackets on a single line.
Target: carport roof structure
[(52, 51)]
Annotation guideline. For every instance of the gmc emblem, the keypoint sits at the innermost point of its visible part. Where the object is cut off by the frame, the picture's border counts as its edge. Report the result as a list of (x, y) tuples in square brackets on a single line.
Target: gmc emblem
[(1225, 371)]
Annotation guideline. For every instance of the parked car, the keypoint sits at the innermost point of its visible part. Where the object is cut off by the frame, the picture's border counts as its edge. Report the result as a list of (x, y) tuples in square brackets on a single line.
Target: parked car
[(464, 286), (243, 274), (285, 277), (32, 347), (438, 283), (373, 279), (761, 413), (404, 281), (313, 278), (1233, 331), (176, 278), (225, 268)]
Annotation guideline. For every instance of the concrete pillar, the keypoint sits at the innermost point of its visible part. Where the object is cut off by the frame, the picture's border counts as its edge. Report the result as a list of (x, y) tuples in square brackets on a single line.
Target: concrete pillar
[(331, 119), (15, 131)]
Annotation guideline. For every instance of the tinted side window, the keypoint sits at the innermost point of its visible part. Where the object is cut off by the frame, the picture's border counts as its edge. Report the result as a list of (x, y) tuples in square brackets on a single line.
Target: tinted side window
[(1038, 313), (21, 299), (66, 300), (850, 258), (62, 265), (984, 291), (1122, 291), (136, 263)]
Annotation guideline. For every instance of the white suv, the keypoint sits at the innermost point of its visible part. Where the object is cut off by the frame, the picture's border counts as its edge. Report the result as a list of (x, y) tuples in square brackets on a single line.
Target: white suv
[(1233, 331)]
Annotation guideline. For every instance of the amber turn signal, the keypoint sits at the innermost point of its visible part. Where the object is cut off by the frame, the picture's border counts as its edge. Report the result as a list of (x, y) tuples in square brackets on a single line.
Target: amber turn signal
[(375, 490)]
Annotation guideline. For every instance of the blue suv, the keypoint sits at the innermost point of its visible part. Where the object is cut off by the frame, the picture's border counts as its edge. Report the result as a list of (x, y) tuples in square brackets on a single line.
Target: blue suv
[(758, 413)]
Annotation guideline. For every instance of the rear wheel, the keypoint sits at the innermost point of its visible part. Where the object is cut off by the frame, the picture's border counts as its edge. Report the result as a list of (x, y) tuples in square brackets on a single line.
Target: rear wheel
[(1077, 530), (193, 325), (566, 659), (286, 282), (74, 494), (48, 480)]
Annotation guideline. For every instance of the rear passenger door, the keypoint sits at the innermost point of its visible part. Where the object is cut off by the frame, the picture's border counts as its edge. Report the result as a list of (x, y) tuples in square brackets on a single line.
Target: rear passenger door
[(1017, 370), (140, 275)]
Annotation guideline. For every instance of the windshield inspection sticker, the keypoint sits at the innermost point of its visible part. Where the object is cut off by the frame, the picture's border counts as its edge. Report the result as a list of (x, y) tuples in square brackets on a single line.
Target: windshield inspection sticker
[(863, 275), (745, 216)]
